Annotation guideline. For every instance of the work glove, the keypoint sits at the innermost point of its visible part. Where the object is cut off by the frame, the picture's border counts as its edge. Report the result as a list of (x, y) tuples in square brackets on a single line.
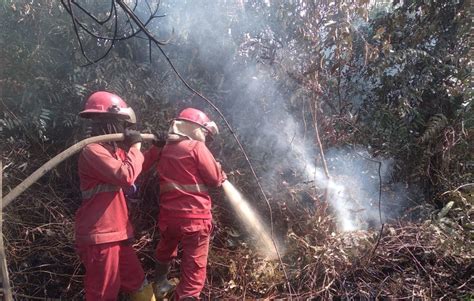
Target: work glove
[(161, 137), (131, 137)]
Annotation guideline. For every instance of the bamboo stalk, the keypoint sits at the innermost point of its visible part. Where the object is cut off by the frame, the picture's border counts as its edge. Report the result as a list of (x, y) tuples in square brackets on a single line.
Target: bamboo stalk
[(58, 159), (7, 292)]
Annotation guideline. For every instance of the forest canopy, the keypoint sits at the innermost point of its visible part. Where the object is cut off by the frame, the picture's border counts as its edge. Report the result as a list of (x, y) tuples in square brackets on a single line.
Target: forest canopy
[(356, 117)]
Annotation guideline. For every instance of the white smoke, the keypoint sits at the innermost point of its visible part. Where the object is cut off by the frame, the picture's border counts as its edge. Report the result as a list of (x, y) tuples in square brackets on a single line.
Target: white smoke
[(354, 186), (270, 119)]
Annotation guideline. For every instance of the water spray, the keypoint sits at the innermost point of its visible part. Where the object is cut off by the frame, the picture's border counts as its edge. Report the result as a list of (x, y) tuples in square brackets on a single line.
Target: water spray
[(158, 44), (251, 219), (130, 13)]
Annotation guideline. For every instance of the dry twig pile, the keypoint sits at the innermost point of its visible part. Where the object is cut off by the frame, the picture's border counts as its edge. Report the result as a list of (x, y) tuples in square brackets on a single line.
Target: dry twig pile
[(428, 259)]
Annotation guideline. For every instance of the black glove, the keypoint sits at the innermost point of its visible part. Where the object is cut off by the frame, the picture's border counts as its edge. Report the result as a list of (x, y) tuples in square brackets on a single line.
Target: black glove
[(161, 137), (131, 137)]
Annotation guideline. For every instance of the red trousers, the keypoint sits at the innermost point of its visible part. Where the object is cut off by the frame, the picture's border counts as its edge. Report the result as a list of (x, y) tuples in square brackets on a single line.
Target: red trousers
[(194, 235), (110, 268)]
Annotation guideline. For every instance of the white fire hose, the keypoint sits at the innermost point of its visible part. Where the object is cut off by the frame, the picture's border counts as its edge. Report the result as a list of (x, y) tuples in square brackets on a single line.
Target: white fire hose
[(61, 157)]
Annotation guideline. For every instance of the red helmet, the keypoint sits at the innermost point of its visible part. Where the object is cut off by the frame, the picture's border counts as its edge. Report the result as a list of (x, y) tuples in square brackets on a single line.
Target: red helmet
[(105, 104), (199, 117)]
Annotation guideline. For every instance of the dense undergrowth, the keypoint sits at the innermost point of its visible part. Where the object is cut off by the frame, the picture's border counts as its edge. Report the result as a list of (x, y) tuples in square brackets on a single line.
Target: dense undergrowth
[(390, 82)]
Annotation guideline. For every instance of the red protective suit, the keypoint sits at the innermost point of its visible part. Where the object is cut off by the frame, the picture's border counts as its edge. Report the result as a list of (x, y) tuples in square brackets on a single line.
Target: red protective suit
[(186, 169), (102, 227)]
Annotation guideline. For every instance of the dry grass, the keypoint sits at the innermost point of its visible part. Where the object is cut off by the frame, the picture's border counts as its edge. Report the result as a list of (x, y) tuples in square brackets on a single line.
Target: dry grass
[(430, 259)]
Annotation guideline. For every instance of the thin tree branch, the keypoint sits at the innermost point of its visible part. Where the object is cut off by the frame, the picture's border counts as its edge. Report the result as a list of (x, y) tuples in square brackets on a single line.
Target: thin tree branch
[(158, 44), (380, 202), (92, 16)]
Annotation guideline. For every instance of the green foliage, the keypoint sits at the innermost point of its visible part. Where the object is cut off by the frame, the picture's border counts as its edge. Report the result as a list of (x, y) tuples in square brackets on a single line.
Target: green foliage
[(436, 123), (420, 75), (395, 78), (34, 80)]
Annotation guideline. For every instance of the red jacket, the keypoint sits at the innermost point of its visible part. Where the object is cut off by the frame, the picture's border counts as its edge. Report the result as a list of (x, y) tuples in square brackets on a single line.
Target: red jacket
[(103, 215), (186, 169)]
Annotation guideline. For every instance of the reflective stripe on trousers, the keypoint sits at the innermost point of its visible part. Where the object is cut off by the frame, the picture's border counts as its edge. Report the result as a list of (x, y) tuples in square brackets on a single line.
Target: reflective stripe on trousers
[(87, 194), (188, 188)]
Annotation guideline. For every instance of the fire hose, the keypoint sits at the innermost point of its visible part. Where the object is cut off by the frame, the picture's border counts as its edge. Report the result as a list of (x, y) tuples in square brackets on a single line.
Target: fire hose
[(20, 188)]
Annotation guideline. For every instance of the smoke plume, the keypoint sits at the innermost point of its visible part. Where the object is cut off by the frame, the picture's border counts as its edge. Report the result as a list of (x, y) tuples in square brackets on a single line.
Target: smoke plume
[(272, 125)]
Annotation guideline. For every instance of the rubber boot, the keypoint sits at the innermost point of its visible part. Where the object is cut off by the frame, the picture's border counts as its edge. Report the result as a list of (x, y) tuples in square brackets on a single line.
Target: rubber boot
[(145, 293), (163, 288)]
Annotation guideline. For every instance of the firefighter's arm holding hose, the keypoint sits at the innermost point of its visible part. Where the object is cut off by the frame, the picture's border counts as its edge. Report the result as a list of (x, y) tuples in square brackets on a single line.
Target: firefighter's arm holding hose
[(210, 170), (151, 157)]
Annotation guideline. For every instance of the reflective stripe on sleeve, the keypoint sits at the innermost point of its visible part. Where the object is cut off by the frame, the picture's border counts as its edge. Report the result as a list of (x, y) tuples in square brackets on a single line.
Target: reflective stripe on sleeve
[(188, 188), (87, 194)]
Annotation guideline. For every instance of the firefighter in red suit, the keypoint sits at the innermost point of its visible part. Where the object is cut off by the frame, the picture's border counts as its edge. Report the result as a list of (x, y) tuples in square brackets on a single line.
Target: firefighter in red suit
[(186, 170), (103, 232)]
